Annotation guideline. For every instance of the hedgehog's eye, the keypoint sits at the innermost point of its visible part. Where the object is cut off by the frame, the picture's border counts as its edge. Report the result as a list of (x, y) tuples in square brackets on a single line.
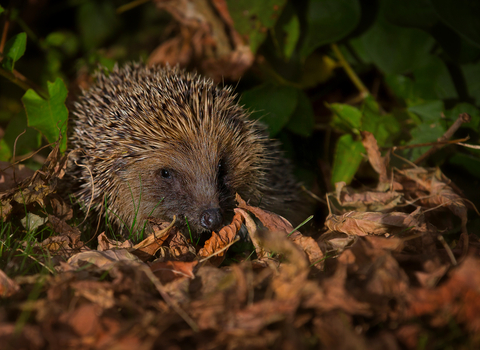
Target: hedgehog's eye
[(221, 173), (165, 173)]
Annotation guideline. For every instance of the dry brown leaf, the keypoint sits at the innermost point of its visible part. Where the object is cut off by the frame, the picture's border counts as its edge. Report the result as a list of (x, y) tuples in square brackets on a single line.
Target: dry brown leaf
[(97, 292), (179, 248), (458, 297), (104, 260), (367, 200), (216, 244), (280, 226), (434, 190), (379, 164), (261, 314), (36, 189), (372, 223), (150, 245), (168, 271), (105, 243)]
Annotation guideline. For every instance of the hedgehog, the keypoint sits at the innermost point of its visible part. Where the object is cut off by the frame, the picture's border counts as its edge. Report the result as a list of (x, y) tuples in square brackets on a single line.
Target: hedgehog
[(162, 142)]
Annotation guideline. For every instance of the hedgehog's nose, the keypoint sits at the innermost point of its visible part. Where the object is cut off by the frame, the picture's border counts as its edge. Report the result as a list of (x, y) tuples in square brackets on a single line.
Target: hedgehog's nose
[(211, 219)]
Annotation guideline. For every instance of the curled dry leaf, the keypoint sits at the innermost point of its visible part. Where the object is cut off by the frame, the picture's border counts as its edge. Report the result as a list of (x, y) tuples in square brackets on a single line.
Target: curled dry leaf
[(215, 245), (103, 260), (372, 223), (151, 244), (278, 225), (177, 247), (105, 243), (433, 190), (379, 164), (368, 200)]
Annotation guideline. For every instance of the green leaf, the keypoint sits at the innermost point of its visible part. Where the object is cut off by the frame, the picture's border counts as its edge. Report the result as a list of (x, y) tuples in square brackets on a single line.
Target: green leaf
[(347, 159), (346, 117), (272, 104), (433, 80), (253, 18), (48, 116), (431, 128), (14, 49), (292, 34), (403, 87), (393, 49), (5, 152), (1, 9), (462, 16), (302, 120), (329, 21), (429, 111), (383, 126)]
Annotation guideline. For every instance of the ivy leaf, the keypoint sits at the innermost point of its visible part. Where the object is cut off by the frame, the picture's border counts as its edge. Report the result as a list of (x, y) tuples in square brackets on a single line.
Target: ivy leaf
[(253, 18), (347, 159), (302, 120), (329, 21), (14, 49), (48, 116), (272, 104)]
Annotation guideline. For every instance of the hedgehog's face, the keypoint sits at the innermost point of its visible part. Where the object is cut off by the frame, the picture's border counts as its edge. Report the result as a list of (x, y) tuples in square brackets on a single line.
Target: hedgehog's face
[(178, 183)]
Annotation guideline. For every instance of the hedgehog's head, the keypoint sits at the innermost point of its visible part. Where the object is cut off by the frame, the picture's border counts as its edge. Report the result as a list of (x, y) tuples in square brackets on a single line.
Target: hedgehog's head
[(186, 150), (194, 177)]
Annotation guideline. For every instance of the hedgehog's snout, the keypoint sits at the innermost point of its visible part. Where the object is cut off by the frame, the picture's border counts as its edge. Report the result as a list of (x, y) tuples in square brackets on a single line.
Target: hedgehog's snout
[(211, 219)]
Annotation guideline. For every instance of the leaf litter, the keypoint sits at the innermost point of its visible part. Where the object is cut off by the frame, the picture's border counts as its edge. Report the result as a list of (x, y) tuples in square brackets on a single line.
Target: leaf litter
[(381, 275)]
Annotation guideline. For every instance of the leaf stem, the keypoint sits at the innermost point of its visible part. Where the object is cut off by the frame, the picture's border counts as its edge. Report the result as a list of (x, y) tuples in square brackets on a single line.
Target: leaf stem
[(23, 82), (350, 72)]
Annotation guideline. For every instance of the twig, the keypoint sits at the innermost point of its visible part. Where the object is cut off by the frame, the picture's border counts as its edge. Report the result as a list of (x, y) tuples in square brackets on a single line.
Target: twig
[(447, 248), (4, 34), (439, 143), (14, 151), (462, 118), (23, 82), (158, 285), (351, 74)]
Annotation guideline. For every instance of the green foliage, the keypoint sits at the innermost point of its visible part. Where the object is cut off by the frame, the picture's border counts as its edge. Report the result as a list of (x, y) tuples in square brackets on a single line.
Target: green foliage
[(273, 104), (347, 158), (329, 21), (48, 116), (325, 70), (14, 49), (253, 18)]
